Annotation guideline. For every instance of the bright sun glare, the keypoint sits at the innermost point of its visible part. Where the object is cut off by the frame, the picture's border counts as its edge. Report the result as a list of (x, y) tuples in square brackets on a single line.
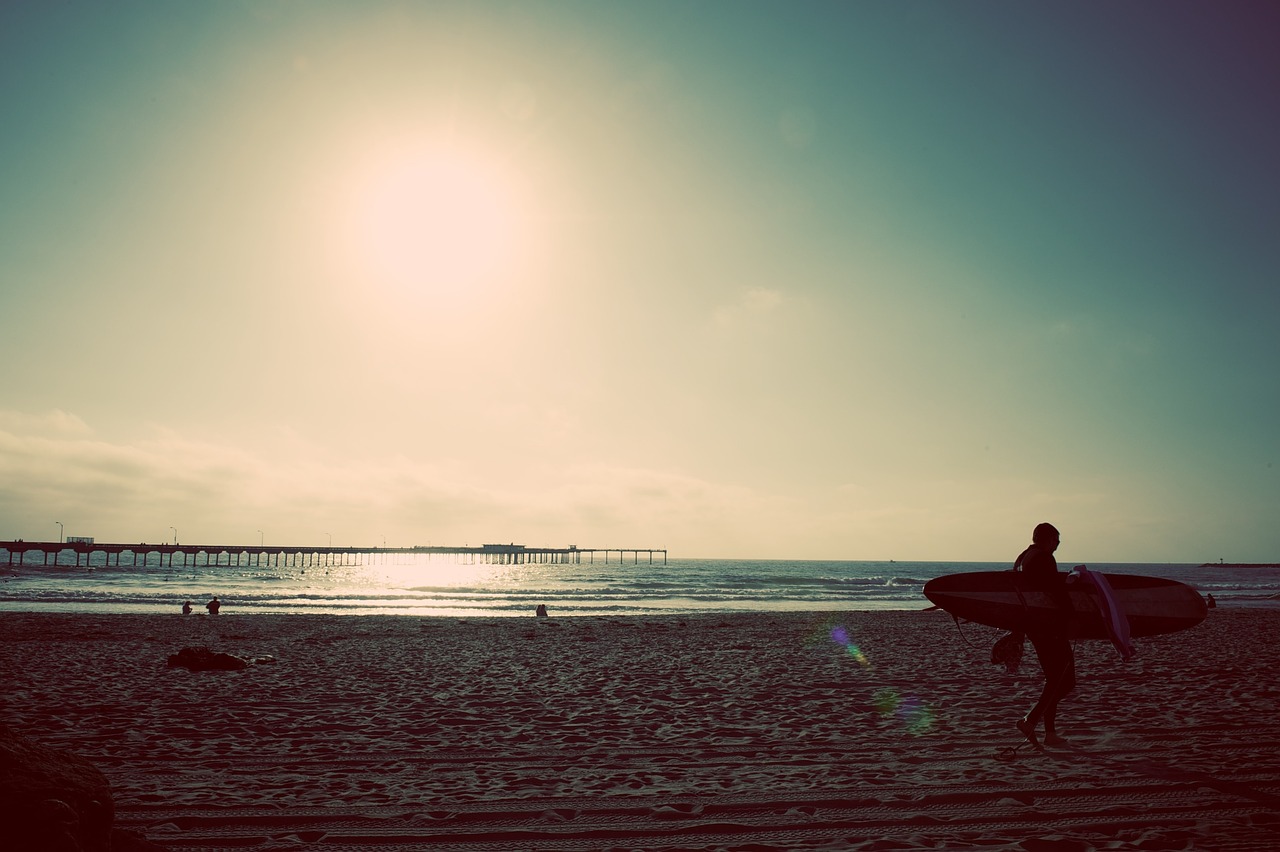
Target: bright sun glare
[(435, 221)]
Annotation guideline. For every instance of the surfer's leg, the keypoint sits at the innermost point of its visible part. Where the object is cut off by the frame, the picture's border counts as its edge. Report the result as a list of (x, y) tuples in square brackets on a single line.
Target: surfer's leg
[(1042, 704), (1058, 685), (1027, 724), (1028, 730), (1054, 654)]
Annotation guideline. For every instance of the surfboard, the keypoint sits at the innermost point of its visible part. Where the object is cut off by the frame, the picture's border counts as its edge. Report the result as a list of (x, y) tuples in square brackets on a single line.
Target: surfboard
[(1012, 601)]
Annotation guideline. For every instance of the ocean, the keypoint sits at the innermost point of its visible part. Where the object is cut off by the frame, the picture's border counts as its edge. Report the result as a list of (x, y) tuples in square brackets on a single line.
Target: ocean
[(437, 585)]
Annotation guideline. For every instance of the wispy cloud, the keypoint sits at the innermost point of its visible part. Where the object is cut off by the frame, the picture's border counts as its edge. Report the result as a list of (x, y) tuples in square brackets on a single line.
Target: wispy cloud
[(210, 492), (55, 422), (54, 467)]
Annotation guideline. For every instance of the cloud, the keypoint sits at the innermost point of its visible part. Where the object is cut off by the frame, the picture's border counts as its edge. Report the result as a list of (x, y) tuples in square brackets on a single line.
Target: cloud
[(55, 422), (55, 468), (301, 494)]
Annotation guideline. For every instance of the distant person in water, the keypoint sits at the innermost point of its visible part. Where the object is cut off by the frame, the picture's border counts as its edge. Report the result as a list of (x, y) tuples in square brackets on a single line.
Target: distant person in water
[(1053, 648), (542, 610), (186, 607), (213, 606)]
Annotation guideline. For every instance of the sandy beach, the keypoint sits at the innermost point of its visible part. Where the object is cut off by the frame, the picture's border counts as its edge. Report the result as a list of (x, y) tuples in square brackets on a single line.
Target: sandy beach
[(865, 731)]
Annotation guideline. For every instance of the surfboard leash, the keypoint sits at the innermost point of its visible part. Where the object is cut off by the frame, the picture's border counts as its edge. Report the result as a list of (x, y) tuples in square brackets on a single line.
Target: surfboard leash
[(960, 630)]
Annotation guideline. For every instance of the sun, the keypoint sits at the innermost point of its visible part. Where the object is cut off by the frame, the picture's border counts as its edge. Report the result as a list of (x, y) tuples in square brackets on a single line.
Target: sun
[(435, 221)]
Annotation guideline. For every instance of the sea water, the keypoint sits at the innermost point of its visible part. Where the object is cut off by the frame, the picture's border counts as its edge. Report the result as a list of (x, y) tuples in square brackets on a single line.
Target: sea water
[(439, 585)]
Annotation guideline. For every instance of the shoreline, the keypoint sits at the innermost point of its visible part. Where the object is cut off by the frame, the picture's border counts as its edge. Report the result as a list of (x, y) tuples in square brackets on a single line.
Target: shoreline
[(787, 730), (1268, 602), (439, 590)]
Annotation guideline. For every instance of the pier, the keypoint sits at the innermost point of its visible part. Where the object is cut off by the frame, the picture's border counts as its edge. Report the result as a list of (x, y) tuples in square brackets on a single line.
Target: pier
[(234, 555)]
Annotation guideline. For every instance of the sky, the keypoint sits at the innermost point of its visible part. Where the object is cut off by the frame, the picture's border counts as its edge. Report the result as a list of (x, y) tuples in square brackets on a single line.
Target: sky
[(856, 280)]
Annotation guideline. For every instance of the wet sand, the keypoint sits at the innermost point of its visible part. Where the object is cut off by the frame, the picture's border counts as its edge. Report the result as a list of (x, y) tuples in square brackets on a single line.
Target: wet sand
[(867, 731)]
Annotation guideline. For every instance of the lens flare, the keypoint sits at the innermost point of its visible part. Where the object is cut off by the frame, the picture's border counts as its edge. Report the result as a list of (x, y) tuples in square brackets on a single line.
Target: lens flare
[(886, 702), (917, 716), (910, 711), (924, 723), (840, 635)]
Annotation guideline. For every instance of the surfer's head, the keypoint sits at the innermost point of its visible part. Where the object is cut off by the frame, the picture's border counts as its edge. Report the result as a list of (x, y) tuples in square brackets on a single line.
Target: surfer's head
[(1045, 535)]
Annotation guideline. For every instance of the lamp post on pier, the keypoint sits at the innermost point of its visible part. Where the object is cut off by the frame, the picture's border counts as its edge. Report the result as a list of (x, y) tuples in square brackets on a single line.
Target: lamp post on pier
[(260, 538), (175, 535), (59, 523)]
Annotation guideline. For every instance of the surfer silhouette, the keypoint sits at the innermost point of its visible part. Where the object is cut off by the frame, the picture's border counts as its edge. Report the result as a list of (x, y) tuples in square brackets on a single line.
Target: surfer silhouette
[(1053, 648)]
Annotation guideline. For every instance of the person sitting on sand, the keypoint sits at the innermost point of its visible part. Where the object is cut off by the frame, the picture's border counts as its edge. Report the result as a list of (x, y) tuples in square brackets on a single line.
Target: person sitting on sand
[(213, 606), (1053, 649), (542, 611), (186, 607)]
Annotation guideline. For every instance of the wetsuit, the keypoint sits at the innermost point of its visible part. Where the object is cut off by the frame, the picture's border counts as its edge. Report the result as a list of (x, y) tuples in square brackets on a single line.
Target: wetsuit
[(1053, 649)]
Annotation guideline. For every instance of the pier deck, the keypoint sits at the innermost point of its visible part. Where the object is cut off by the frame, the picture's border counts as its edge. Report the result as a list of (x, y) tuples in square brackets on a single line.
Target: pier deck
[(259, 554)]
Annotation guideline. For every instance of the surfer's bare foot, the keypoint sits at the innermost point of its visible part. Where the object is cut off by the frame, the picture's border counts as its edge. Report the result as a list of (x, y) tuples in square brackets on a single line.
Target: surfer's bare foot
[(1028, 731), (1054, 740)]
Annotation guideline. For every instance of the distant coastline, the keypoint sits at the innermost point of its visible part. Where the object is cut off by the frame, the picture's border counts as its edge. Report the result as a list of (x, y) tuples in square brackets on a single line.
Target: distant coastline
[(1240, 564)]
